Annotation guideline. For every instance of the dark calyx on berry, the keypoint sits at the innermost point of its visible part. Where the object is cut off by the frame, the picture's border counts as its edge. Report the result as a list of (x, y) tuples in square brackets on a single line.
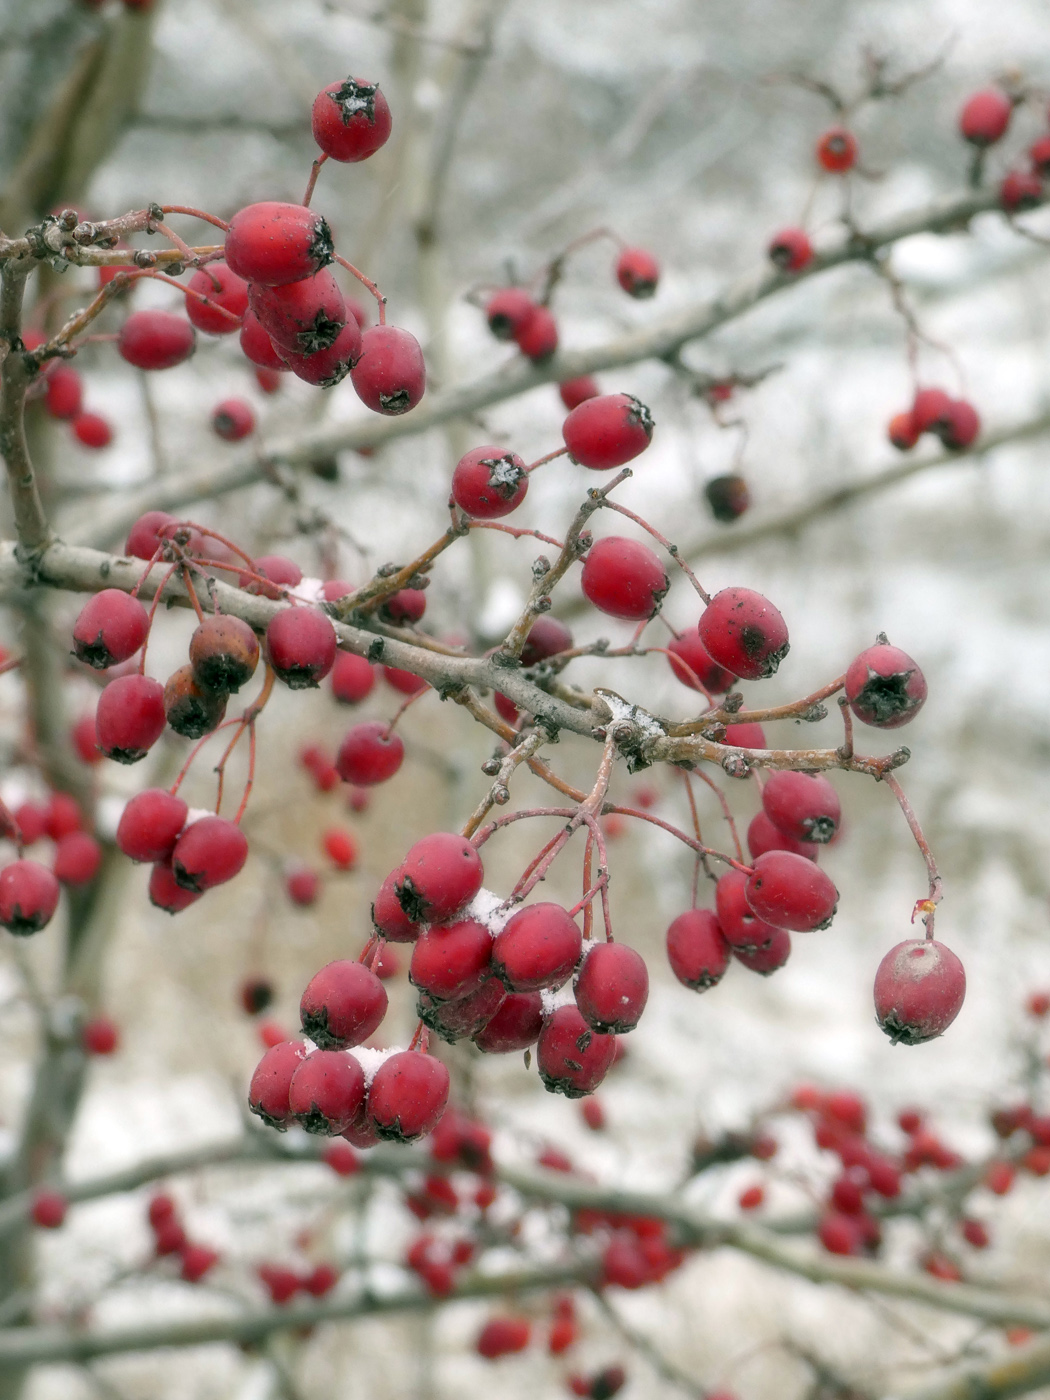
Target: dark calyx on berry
[(354, 99), (319, 335), (638, 413), (505, 475), (413, 904)]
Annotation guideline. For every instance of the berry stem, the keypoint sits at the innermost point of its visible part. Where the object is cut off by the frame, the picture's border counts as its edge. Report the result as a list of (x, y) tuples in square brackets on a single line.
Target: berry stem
[(795, 710), (195, 214), (514, 530), (403, 707), (697, 846), (846, 747), (315, 170), (678, 664), (541, 461), (188, 582), (928, 906), (153, 611), (366, 282), (730, 819)]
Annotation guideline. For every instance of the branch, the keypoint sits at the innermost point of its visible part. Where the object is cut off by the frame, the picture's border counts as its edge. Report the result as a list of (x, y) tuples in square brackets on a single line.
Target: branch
[(1016, 1373), (16, 375)]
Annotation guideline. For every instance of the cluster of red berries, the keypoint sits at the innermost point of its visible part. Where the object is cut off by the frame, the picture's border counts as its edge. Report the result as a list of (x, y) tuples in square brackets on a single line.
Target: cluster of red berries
[(983, 122), (954, 421), (62, 391), (29, 891), (170, 1238)]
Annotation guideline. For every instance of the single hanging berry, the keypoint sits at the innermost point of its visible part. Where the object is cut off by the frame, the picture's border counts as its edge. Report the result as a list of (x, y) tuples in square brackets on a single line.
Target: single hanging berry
[(273, 243), (350, 119), (637, 272), (624, 578), (919, 990), (612, 988), (489, 483), (390, 377), (884, 686), (608, 431), (110, 628), (744, 632)]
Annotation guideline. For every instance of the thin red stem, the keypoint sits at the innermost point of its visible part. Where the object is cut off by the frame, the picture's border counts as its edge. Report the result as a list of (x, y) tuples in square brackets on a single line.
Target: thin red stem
[(926, 907), (672, 549), (561, 452), (315, 170), (195, 214), (366, 282)]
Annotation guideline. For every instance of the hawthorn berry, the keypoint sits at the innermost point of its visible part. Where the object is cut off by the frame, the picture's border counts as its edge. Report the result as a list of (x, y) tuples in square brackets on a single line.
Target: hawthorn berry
[(763, 835), (92, 430), (301, 317), (572, 1058), (148, 533), (110, 627), (440, 874), (837, 150), (508, 311), (728, 497), (256, 994), (462, 1016), (273, 243), (302, 886), (191, 711), (697, 949), (28, 897), (919, 990), (538, 947), (803, 805), (623, 578), (165, 892), (156, 340), (985, 117), (64, 394), (100, 1036), (503, 1336), (342, 1005), (740, 927), (929, 409), (130, 717), (839, 1234), (48, 1209), (160, 1210), (573, 392), (488, 483), (83, 736), (62, 815), (612, 988), (1039, 155), (547, 637), (537, 339), (407, 1096), (326, 1092), (268, 380), (31, 820), (209, 852), (281, 573), (342, 1158), (515, 1026), (450, 961), (233, 419), (390, 920), (608, 431), (790, 250), (902, 432), (301, 646), (789, 891), (271, 1081), (350, 120), (637, 272), (390, 376), (692, 664), (257, 345), (1020, 190), (407, 682), (885, 687), (744, 632), (404, 607), (224, 292), (224, 652), (960, 425), (77, 858), (197, 1259), (770, 957)]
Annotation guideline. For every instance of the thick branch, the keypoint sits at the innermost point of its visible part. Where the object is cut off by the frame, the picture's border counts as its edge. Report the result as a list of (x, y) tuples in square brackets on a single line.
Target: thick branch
[(1021, 1370), (15, 377)]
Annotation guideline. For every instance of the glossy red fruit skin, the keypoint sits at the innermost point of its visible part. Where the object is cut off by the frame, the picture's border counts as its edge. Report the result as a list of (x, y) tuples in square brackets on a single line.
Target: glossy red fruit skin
[(612, 988), (1039, 155), (352, 678), (538, 947), (28, 897), (165, 893), (48, 1209), (608, 431), (489, 483), (573, 1059), (209, 852), (573, 392), (301, 646), (623, 578), (231, 296), (274, 243), (271, 1081), (763, 835), (282, 573), (537, 339), (83, 737), (928, 409), (130, 718), (257, 345), (768, 959), (464, 1016), (790, 892), (503, 1336), (740, 928), (637, 272), (404, 607), (147, 533), (62, 815), (326, 1092), (960, 426), (407, 682), (449, 961), (1020, 190), (693, 666), (326, 368), (515, 1026), (885, 687), (110, 628), (985, 117), (233, 419), (547, 637), (302, 886), (790, 250), (440, 874), (388, 918), (92, 430), (407, 1096), (350, 120), (154, 340), (77, 858), (919, 990), (745, 633), (390, 377), (100, 1036), (507, 312), (837, 150), (302, 317), (902, 432), (64, 396), (342, 1005), (803, 805), (697, 949)]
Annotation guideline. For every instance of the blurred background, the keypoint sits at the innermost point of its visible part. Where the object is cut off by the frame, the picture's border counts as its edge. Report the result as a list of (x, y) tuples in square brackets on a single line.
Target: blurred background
[(518, 127)]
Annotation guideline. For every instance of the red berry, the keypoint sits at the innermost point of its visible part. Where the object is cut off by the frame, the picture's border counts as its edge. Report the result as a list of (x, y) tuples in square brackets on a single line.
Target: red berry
[(407, 682), (352, 678), (508, 311), (885, 687), (282, 574), (693, 666), (48, 1209), (837, 150), (637, 272), (919, 990), (224, 652), (326, 1091), (612, 988), (593, 1114), (503, 1336), (77, 859), (304, 317), (884, 1177), (350, 120), (623, 578), (789, 891), (165, 893), (390, 377), (538, 338), (1037, 1004), (999, 1177), (751, 1197), (439, 875), (31, 820), (320, 1281), (281, 1284), (450, 961), (65, 392), (28, 897), (608, 431), (61, 816), (209, 852), (156, 340), (573, 1059), (275, 243), (769, 958), (256, 995), (839, 1234), (191, 711), (404, 607), (407, 1096), (100, 1036), (169, 1238), (803, 805), (975, 1232), (302, 885), (728, 497), (960, 425), (985, 117), (763, 836), (790, 250), (576, 391), (488, 483), (257, 345), (745, 736), (538, 947), (83, 737), (506, 709), (197, 1259), (462, 1016), (1020, 190), (233, 419), (224, 290), (1039, 155), (515, 1026), (390, 920), (109, 628), (547, 637), (902, 431), (342, 1159), (301, 646), (740, 928), (268, 1092), (342, 1005), (744, 633), (697, 949), (147, 533), (160, 1210), (130, 718), (92, 430), (929, 409), (268, 380)]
